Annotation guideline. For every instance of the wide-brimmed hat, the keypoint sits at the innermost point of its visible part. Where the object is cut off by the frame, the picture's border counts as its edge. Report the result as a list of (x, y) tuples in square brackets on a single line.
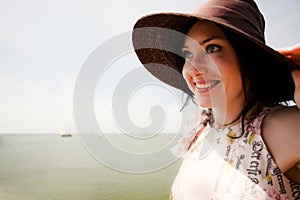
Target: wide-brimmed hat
[(157, 45)]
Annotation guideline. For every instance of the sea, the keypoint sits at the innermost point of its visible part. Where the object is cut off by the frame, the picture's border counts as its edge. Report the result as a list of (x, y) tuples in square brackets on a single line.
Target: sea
[(48, 166)]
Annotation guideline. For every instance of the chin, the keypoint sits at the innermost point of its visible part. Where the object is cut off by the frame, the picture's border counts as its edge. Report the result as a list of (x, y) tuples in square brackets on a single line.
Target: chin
[(203, 104)]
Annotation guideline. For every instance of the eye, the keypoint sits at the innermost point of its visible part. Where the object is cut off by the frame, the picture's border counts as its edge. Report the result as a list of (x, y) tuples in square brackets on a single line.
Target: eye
[(213, 48), (186, 54)]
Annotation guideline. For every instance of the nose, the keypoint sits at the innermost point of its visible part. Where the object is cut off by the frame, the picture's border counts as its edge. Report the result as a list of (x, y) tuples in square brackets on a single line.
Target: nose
[(195, 70), (202, 70)]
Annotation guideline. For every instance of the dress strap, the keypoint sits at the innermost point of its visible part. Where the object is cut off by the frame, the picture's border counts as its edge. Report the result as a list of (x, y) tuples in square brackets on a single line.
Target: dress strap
[(185, 143)]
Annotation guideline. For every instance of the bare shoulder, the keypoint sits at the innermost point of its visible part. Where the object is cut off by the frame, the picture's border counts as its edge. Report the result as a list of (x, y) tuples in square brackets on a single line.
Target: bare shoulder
[(281, 134), (285, 117)]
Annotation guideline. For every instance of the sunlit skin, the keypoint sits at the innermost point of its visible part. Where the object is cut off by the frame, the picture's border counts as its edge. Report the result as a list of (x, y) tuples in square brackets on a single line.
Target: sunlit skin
[(293, 53), (213, 85)]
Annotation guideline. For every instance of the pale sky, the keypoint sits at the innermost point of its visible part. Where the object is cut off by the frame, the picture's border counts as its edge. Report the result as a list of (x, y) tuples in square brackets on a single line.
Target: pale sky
[(43, 45)]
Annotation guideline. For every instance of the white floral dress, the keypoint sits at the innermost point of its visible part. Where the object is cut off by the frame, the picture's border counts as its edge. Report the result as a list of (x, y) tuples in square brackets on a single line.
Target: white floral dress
[(221, 167)]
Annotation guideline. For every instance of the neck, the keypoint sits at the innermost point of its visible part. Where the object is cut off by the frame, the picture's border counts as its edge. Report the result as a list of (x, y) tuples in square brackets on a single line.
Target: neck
[(225, 118)]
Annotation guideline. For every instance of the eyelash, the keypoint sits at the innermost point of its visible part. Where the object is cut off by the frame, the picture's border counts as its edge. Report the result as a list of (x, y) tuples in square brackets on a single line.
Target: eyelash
[(209, 49), (186, 54)]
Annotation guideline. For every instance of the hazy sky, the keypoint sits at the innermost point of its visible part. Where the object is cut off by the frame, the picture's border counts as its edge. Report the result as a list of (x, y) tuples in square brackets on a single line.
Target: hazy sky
[(43, 45)]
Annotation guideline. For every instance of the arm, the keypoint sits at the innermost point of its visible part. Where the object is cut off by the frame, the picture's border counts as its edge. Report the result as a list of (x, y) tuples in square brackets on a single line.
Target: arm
[(293, 53), (281, 134), (296, 77)]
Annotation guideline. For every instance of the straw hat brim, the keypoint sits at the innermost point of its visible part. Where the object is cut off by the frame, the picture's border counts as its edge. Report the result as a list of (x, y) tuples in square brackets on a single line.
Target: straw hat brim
[(167, 66)]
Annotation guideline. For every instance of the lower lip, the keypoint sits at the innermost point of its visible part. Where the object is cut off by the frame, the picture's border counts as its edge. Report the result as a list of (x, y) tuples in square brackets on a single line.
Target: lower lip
[(202, 90)]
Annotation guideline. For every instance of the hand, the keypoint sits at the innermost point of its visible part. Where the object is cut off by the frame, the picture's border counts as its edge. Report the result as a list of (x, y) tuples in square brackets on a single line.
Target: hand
[(296, 77), (292, 53)]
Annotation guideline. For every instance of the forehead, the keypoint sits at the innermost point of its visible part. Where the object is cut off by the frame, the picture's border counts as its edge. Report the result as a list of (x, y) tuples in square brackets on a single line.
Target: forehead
[(204, 29)]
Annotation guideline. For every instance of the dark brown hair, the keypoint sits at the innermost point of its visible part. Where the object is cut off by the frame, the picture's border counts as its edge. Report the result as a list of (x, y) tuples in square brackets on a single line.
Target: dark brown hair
[(258, 82)]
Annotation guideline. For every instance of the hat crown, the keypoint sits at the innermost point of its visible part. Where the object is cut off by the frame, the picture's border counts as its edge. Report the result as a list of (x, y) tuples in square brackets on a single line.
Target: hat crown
[(242, 21), (241, 15)]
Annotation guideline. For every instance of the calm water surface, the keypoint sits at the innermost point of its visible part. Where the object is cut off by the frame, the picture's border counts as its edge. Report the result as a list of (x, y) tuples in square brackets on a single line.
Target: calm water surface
[(38, 167)]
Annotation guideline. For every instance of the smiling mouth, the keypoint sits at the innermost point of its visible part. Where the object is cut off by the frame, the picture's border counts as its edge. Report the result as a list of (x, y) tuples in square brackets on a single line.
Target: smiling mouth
[(204, 86)]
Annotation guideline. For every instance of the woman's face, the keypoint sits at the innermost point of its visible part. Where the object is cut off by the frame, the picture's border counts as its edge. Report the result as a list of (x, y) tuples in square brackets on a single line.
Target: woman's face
[(211, 67)]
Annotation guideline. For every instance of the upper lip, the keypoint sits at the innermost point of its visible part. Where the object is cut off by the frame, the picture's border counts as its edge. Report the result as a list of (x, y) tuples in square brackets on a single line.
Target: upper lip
[(202, 81)]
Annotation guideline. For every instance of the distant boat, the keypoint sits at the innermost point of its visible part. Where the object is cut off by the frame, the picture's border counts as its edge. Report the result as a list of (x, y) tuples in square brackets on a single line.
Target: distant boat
[(65, 134)]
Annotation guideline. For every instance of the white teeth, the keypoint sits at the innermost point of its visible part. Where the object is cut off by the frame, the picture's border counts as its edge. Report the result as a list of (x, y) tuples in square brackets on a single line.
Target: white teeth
[(204, 86)]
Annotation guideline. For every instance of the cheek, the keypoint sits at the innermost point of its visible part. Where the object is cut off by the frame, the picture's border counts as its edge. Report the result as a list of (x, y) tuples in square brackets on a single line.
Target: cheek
[(230, 73), (187, 77), (233, 81), (185, 72)]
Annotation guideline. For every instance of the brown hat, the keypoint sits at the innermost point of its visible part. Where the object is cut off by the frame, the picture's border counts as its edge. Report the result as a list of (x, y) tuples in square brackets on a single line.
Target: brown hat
[(157, 41)]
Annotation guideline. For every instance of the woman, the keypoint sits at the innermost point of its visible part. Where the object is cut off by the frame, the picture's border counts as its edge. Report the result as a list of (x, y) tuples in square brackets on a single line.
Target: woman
[(247, 143)]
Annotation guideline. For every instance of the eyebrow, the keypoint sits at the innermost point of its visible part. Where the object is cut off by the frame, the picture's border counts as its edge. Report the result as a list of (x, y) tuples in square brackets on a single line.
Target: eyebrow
[(207, 40)]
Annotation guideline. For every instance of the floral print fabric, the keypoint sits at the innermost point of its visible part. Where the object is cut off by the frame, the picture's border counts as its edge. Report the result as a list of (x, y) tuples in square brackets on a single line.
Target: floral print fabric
[(220, 165)]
